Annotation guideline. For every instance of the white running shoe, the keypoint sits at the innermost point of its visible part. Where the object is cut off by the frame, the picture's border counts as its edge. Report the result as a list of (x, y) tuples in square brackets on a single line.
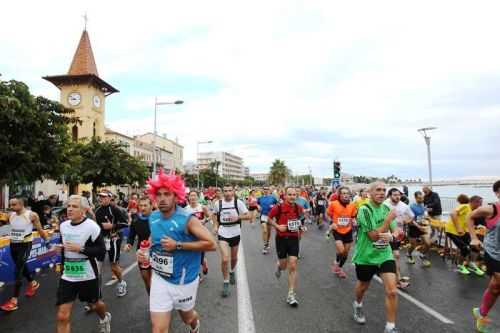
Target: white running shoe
[(105, 324), (121, 289)]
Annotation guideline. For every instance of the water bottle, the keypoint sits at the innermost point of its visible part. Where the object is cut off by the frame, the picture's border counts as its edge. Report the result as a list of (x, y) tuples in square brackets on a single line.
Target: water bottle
[(327, 235), (144, 248)]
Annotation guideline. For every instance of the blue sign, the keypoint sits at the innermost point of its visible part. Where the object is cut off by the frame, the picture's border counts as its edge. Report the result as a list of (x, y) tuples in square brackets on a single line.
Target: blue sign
[(40, 256), (335, 183)]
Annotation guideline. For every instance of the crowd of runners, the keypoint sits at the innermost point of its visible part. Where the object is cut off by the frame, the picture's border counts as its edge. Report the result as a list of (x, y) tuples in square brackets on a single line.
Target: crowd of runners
[(171, 228)]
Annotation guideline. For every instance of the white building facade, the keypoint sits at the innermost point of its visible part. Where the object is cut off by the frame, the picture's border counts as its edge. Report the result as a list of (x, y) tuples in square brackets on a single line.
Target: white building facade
[(230, 166)]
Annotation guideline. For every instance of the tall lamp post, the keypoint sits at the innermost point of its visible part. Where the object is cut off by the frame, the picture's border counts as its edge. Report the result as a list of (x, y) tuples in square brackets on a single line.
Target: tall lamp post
[(198, 143), (155, 133), (427, 138)]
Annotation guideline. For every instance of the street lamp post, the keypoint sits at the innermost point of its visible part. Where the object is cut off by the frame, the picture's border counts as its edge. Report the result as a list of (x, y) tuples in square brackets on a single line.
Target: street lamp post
[(198, 143), (155, 133), (428, 143)]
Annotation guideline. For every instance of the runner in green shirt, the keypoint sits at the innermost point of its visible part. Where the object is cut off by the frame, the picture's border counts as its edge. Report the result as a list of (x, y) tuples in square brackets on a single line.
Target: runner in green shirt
[(373, 254)]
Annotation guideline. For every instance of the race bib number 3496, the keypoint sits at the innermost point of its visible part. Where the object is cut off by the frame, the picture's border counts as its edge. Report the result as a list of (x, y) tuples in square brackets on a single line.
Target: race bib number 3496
[(163, 264)]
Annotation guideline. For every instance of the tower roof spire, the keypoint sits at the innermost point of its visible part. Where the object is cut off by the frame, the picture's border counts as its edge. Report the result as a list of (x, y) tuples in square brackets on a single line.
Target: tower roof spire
[(83, 60)]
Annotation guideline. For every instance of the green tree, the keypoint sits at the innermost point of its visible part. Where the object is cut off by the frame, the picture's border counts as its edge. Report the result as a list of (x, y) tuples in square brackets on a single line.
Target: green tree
[(278, 173), (105, 163), (208, 177), (34, 137)]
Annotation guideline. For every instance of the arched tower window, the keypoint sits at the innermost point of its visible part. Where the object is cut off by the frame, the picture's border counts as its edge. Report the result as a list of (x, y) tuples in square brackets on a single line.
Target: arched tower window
[(74, 133), (94, 130)]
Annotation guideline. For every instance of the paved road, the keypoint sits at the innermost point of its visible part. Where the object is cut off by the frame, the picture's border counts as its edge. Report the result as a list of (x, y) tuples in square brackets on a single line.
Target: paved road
[(325, 301)]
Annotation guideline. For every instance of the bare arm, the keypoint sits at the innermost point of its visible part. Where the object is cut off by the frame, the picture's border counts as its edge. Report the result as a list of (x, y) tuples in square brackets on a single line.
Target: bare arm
[(477, 213), (374, 235), (215, 222), (205, 241), (35, 219)]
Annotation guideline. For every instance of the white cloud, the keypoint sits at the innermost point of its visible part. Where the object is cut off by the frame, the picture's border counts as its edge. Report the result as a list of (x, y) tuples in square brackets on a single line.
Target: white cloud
[(367, 74)]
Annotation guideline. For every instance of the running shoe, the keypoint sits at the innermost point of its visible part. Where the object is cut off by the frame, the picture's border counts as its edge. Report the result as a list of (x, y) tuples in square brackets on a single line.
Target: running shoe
[(225, 289), (10, 305), (482, 323), (232, 278), (335, 268), (391, 330), (341, 274), (358, 315), (474, 269), (32, 287), (410, 260), (292, 300), (88, 308), (264, 250), (105, 324), (463, 270), (426, 262), (278, 272), (121, 289), (403, 284)]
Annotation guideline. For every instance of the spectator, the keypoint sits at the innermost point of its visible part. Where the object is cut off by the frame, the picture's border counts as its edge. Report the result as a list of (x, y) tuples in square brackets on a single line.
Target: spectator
[(40, 196), (432, 203)]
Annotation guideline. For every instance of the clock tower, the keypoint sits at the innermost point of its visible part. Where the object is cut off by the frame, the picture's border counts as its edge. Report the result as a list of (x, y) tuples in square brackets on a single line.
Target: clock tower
[(84, 91)]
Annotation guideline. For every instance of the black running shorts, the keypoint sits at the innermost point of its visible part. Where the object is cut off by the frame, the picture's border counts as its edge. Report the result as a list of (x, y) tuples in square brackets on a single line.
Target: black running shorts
[(233, 241), (414, 232), (113, 252), (365, 273), (345, 238), (86, 291), (492, 265), (287, 247)]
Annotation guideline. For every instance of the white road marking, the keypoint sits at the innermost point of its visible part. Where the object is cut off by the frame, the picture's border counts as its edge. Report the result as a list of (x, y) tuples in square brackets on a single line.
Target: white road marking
[(246, 323), (421, 305), (124, 272)]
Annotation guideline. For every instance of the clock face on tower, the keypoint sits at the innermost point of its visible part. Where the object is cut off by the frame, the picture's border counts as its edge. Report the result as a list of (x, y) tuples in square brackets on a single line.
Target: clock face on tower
[(97, 101), (74, 98)]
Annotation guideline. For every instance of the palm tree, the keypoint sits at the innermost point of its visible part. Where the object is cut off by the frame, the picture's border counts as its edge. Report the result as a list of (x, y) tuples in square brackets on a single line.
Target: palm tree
[(278, 173)]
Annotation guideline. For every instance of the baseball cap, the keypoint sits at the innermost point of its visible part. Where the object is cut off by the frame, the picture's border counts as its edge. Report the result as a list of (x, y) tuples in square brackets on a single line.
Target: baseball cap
[(105, 193)]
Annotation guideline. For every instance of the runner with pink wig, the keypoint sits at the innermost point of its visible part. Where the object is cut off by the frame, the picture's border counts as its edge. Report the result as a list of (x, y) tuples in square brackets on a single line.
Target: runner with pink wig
[(172, 182)]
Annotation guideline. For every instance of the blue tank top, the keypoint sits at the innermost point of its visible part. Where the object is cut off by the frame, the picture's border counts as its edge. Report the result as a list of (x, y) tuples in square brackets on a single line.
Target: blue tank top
[(186, 264)]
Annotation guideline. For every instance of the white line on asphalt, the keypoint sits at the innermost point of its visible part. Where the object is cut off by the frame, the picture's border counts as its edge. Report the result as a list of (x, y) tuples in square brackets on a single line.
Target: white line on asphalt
[(421, 305), (124, 272), (245, 311)]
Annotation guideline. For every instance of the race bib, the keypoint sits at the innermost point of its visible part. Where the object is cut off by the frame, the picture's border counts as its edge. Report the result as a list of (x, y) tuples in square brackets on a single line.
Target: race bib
[(343, 221), (293, 225), (380, 244), (16, 235), (227, 216), (321, 202), (163, 264), (76, 269), (264, 218)]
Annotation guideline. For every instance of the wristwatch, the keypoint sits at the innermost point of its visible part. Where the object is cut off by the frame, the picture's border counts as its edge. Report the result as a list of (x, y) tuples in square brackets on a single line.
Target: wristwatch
[(178, 246)]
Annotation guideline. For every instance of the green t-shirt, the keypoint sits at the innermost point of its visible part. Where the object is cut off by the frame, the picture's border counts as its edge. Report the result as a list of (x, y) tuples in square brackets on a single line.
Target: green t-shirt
[(368, 252)]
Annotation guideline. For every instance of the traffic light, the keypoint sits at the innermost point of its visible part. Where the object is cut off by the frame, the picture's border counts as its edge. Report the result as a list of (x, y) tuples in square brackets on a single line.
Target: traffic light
[(336, 170)]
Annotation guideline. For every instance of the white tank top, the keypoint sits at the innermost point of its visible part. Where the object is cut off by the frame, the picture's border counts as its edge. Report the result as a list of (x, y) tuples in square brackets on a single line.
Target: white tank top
[(21, 227)]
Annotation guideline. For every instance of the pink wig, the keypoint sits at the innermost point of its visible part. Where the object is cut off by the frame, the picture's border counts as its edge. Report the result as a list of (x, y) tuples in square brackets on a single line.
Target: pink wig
[(170, 182)]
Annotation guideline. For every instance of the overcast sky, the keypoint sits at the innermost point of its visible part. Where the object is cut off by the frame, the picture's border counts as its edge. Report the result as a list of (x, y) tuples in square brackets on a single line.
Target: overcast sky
[(303, 81)]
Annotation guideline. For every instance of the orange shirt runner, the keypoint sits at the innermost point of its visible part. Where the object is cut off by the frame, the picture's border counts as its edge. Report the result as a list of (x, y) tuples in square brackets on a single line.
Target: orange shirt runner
[(342, 216)]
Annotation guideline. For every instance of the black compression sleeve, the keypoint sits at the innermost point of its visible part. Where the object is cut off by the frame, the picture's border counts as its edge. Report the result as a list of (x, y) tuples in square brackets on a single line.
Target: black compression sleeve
[(94, 249)]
